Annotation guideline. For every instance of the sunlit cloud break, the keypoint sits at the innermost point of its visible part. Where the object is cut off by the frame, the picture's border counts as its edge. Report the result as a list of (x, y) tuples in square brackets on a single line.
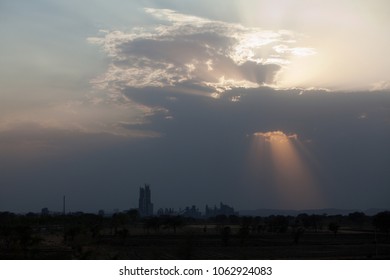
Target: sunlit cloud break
[(293, 180), (194, 50), (278, 136)]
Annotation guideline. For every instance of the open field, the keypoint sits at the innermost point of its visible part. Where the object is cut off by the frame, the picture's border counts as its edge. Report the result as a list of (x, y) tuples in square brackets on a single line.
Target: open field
[(128, 236), (193, 243)]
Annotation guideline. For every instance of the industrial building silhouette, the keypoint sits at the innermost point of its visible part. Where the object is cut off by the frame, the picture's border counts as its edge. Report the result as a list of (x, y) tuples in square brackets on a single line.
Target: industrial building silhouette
[(145, 205)]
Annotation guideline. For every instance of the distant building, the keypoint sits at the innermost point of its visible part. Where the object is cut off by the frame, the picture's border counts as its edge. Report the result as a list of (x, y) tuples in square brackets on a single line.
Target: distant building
[(192, 212), (45, 211), (101, 213), (222, 210), (145, 205), (166, 212)]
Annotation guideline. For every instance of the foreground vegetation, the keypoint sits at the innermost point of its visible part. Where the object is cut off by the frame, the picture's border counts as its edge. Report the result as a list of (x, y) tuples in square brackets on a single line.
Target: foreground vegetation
[(127, 236)]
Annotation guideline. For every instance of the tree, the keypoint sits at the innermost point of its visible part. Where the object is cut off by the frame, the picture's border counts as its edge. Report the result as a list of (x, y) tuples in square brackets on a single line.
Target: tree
[(133, 215), (277, 223), (334, 227), (176, 222), (382, 221), (357, 217), (119, 220), (298, 234), (152, 223), (225, 235), (243, 233)]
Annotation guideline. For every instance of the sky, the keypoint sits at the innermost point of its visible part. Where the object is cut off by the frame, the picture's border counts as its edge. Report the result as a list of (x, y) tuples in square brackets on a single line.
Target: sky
[(257, 104)]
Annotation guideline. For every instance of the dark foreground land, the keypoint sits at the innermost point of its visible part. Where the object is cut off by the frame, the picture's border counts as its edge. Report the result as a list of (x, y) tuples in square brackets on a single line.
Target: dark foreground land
[(125, 236)]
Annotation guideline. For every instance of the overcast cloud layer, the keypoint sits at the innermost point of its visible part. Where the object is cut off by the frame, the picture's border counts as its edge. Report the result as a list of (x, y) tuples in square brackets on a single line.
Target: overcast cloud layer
[(204, 153)]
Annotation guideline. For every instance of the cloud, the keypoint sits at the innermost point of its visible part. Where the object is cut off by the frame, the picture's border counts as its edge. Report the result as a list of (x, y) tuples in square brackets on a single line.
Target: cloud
[(188, 54), (276, 136), (194, 50), (206, 133), (97, 114), (204, 156)]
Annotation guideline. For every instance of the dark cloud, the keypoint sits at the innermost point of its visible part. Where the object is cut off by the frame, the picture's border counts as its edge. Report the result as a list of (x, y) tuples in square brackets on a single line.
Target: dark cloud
[(351, 152), (204, 153)]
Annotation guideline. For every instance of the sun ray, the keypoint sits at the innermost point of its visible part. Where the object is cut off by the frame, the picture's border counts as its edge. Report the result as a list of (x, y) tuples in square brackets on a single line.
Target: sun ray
[(293, 182)]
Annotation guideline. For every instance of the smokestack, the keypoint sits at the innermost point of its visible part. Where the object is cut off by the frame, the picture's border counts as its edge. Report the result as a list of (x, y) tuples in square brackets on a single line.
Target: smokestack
[(63, 205)]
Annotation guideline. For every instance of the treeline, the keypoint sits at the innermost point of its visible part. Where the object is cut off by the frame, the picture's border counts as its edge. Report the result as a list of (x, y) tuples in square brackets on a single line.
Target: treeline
[(273, 223), (21, 225)]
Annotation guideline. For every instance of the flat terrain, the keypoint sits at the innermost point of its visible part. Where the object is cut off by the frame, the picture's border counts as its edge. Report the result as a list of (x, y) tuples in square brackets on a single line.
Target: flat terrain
[(191, 242)]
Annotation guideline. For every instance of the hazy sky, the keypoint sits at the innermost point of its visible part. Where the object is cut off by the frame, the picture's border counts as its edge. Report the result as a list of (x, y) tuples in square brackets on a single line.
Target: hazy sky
[(259, 104)]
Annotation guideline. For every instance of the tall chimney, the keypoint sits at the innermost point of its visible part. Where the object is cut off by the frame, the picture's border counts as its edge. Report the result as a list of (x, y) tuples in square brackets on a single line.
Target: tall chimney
[(63, 205)]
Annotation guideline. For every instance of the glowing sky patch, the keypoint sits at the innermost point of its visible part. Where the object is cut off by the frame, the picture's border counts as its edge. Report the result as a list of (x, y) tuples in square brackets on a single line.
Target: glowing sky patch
[(293, 182)]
